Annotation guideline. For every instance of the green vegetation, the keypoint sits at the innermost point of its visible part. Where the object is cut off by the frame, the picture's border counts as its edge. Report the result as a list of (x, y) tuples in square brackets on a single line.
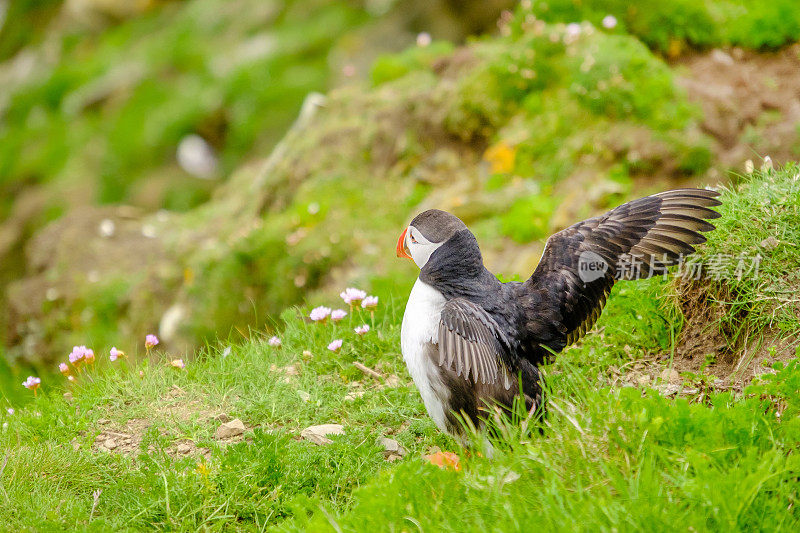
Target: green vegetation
[(116, 104), (668, 26), (753, 261), (555, 118), (608, 457)]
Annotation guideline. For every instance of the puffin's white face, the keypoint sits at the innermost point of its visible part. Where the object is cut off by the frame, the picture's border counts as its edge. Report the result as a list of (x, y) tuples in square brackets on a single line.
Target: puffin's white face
[(413, 245)]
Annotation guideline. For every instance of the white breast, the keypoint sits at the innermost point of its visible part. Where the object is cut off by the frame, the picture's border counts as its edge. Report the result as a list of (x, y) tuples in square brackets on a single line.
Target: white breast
[(420, 329)]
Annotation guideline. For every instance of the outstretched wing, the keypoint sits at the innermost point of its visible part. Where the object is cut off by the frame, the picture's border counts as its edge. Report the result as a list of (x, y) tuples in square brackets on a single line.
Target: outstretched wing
[(634, 240), (471, 343)]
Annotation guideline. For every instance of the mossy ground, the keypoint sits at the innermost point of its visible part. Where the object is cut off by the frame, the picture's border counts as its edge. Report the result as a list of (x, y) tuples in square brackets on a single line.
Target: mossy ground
[(628, 458)]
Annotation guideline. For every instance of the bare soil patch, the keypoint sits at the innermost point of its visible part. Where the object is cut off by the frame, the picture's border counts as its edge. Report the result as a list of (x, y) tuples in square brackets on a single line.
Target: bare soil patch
[(750, 101)]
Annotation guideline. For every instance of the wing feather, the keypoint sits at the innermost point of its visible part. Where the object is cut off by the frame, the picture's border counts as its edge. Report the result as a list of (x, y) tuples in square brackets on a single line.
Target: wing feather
[(657, 230), (471, 343)]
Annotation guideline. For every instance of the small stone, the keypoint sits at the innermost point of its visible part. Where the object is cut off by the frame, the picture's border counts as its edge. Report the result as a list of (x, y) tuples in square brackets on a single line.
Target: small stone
[(184, 448), (392, 381), (230, 429), (671, 375), (222, 417), (643, 380), (317, 434), (392, 457), (392, 447), (110, 444)]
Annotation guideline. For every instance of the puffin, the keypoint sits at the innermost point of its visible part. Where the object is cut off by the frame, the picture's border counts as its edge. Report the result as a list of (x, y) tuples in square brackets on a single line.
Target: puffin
[(473, 344)]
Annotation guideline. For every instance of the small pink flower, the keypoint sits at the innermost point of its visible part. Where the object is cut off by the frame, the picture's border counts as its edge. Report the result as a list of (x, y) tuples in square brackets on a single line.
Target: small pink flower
[(77, 355), (352, 296), (335, 345), (115, 354), (320, 314), (274, 341), (88, 355), (150, 341), (71, 378), (177, 363), (362, 330), (64, 368), (609, 22), (10, 411), (338, 314), (370, 302), (32, 383)]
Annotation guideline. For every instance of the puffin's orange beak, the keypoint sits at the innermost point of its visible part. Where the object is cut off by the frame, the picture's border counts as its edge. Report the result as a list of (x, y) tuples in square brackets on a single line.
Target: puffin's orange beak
[(402, 249)]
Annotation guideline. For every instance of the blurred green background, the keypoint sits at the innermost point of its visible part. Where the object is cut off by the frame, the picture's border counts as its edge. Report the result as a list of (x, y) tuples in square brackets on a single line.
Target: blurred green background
[(157, 173)]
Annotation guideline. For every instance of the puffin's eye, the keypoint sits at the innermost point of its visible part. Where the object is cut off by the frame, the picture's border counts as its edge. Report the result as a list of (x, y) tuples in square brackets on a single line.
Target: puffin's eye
[(411, 234)]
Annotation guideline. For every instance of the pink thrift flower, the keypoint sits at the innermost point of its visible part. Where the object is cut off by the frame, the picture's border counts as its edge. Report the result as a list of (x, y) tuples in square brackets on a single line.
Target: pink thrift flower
[(361, 330), (335, 345), (32, 383), (115, 354), (320, 314), (424, 39), (150, 341), (339, 314), (88, 355), (177, 363), (71, 378), (370, 302), (352, 296), (274, 341), (10, 411), (77, 354), (609, 22), (64, 368)]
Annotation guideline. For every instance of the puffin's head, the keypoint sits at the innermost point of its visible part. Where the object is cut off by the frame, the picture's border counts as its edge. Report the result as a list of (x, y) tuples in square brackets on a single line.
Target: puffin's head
[(426, 233)]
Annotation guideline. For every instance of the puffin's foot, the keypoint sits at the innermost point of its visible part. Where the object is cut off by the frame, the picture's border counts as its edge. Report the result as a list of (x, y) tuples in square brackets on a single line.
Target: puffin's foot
[(444, 460)]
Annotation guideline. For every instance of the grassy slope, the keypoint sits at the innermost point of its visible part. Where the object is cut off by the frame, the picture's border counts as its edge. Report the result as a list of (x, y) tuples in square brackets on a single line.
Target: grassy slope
[(623, 458)]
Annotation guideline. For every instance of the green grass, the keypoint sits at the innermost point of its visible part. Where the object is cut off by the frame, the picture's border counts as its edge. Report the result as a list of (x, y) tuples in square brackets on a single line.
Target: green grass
[(752, 258), (623, 458)]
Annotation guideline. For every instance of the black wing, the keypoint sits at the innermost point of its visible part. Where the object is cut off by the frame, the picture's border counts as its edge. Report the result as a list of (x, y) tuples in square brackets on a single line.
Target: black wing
[(471, 343), (644, 236)]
